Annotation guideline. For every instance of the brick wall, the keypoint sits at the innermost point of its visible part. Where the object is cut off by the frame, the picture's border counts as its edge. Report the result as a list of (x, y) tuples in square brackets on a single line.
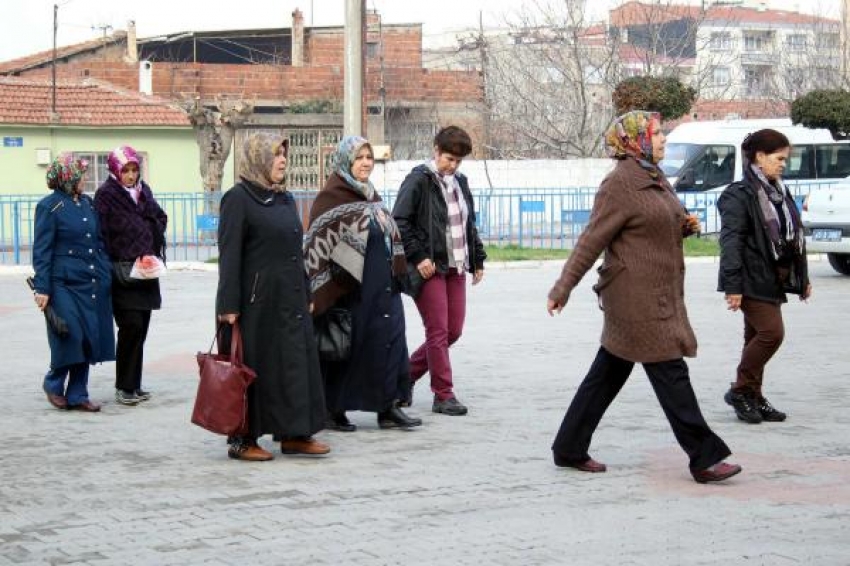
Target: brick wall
[(268, 82)]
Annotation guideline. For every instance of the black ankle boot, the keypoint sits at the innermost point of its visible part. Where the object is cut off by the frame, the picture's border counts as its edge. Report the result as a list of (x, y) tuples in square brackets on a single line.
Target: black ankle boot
[(338, 421), (394, 417)]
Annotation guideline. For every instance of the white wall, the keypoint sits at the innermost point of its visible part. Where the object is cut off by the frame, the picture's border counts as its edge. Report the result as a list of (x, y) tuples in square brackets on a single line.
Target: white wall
[(506, 174)]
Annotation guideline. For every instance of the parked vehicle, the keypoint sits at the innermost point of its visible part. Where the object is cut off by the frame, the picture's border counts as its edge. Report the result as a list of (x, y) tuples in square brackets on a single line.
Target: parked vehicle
[(826, 219), (703, 158)]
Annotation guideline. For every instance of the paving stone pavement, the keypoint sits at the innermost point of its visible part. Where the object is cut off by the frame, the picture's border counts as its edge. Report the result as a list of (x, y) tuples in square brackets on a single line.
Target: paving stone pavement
[(141, 485)]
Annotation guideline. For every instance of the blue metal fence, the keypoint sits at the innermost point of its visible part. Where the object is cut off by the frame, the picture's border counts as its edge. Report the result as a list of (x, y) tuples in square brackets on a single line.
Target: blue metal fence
[(528, 218)]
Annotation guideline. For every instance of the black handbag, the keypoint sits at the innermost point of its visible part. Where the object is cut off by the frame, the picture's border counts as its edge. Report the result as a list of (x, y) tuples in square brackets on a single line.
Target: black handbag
[(411, 282), (333, 335), (121, 273)]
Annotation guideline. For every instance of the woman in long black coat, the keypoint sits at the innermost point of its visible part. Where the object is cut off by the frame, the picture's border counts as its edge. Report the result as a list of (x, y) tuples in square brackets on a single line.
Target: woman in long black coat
[(262, 283), (354, 258), (72, 277)]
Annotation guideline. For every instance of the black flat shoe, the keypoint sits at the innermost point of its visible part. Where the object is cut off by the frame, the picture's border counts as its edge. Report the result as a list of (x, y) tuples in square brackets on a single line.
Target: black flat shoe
[(339, 422), (394, 417)]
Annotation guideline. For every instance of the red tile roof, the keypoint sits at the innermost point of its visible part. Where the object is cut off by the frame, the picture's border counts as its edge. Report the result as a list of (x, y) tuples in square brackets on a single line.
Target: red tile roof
[(639, 13), (45, 57), (735, 14), (87, 103)]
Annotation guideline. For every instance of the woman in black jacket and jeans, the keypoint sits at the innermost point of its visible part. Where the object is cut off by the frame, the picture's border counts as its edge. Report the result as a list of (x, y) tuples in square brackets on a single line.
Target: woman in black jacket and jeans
[(762, 257), (435, 214)]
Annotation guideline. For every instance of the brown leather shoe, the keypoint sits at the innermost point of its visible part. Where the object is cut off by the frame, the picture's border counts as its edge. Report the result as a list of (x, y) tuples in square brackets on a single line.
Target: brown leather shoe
[(304, 446), (57, 401), (249, 453), (85, 406), (717, 472), (589, 465)]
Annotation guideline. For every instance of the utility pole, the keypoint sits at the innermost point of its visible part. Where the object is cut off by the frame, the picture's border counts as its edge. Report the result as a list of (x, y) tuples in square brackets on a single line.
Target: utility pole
[(353, 68), (53, 69), (482, 48)]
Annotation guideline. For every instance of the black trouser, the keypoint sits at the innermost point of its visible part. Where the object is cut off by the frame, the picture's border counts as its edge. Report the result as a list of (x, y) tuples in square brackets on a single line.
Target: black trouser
[(672, 386), (129, 351)]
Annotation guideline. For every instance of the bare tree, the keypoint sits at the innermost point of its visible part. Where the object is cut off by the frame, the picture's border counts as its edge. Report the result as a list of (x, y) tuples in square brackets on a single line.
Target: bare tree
[(214, 131), (548, 84)]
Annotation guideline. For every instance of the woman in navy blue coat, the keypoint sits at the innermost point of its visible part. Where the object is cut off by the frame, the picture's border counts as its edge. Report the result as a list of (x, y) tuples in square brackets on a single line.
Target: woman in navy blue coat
[(354, 258), (72, 275)]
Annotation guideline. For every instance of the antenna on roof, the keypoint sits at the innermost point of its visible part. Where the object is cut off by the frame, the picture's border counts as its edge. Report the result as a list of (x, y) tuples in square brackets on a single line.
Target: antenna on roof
[(53, 71), (104, 29)]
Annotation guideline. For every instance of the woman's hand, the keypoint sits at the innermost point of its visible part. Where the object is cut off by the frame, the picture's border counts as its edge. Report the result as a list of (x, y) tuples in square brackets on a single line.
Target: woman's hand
[(691, 225), (229, 318), (477, 276), (41, 301), (553, 307), (807, 293), (426, 268), (733, 302)]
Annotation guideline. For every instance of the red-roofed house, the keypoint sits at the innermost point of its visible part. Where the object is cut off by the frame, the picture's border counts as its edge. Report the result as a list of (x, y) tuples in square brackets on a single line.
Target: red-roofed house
[(90, 119)]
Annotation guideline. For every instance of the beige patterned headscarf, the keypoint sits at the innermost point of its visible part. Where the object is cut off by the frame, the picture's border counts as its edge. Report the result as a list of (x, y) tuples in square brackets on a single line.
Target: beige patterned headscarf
[(258, 153)]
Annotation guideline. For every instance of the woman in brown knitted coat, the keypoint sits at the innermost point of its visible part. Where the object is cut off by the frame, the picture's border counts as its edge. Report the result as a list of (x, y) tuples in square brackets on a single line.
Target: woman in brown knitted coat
[(640, 224)]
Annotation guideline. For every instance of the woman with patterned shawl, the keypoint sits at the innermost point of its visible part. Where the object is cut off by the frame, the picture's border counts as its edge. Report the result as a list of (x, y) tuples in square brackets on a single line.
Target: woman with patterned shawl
[(261, 282), (638, 221), (73, 278), (354, 259)]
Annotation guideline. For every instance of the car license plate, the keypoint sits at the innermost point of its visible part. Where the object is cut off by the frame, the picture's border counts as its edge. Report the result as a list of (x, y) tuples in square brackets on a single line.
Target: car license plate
[(826, 235)]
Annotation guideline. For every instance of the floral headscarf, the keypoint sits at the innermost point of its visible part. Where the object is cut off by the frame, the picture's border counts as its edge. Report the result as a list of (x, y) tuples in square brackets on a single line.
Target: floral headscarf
[(65, 172), (342, 160), (119, 158), (631, 136), (258, 153)]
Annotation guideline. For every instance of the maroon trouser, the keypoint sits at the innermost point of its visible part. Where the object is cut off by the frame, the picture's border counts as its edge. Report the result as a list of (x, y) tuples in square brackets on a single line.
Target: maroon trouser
[(763, 334), (442, 305)]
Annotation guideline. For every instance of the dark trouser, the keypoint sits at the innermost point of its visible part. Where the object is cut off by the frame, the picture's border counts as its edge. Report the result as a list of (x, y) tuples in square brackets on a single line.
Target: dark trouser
[(442, 305), (129, 351), (78, 378), (672, 386), (763, 334)]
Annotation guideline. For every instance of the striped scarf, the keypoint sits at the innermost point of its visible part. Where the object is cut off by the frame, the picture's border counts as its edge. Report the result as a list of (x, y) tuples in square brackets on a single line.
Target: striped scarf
[(457, 217)]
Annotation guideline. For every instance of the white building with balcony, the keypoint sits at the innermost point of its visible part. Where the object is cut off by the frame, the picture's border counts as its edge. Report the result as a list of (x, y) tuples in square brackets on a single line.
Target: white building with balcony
[(754, 53)]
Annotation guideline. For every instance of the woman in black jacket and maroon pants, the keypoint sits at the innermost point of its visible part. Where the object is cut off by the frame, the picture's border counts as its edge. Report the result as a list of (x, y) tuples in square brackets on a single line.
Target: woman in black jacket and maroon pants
[(132, 226), (436, 217)]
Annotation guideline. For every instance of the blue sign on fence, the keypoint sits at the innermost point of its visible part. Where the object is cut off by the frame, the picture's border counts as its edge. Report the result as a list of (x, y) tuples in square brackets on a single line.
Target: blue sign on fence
[(10, 141), (532, 206), (575, 216), (207, 222)]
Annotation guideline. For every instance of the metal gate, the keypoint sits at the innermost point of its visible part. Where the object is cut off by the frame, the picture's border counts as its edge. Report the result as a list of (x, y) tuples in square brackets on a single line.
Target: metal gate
[(309, 154)]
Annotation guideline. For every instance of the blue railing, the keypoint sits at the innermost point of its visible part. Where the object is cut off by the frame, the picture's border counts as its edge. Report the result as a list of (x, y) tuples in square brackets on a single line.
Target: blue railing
[(546, 218)]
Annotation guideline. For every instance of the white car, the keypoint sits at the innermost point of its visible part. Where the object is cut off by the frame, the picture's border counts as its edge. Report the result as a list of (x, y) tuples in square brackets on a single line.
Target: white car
[(826, 219)]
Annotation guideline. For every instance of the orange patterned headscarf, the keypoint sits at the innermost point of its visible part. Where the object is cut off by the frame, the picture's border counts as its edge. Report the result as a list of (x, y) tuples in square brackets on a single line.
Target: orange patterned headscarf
[(631, 134)]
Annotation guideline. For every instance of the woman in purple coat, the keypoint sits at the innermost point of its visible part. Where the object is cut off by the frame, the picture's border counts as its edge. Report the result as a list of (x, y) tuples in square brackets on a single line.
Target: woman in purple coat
[(133, 226)]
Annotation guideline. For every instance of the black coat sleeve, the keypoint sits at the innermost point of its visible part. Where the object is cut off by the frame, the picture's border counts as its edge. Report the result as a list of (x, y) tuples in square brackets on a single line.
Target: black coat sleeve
[(231, 236), (478, 255), (406, 214), (734, 227)]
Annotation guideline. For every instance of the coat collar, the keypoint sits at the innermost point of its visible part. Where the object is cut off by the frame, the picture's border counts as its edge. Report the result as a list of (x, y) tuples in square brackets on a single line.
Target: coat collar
[(640, 178)]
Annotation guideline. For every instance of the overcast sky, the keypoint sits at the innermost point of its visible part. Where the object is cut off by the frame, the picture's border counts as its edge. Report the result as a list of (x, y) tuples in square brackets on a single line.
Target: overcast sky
[(26, 26)]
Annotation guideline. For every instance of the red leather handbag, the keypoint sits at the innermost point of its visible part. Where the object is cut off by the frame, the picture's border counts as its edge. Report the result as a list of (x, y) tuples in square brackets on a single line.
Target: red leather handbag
[(221, 405)]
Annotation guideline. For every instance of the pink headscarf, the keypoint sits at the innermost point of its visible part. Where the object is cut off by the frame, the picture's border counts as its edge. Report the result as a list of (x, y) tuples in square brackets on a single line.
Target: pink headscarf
[(119, 158)]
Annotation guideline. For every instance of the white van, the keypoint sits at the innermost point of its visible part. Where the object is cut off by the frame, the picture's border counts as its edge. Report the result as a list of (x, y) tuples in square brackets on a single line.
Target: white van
[(702, 158)]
